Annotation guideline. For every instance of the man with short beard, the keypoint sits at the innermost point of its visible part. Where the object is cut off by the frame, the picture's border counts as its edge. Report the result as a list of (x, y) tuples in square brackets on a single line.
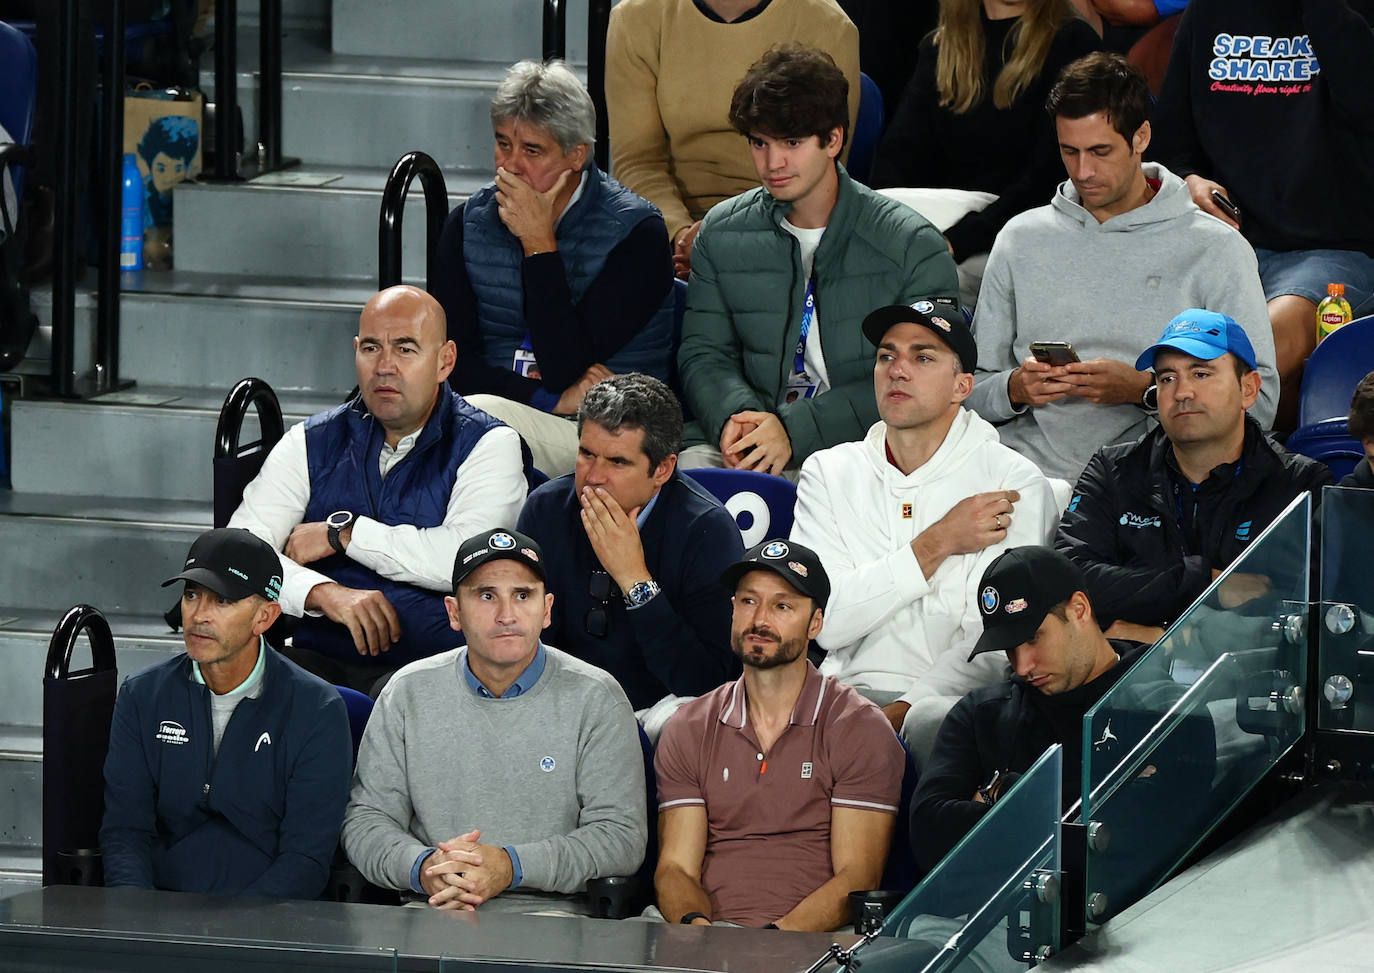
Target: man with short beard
[(777, 791)]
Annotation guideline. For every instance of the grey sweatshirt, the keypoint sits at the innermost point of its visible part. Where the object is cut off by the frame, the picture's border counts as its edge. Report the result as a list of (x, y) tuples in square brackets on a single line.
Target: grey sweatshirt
[(1056, 274), (556, 772)]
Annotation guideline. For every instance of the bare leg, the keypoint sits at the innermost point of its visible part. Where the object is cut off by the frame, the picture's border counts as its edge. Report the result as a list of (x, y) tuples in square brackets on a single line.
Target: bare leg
[(1294, 320)]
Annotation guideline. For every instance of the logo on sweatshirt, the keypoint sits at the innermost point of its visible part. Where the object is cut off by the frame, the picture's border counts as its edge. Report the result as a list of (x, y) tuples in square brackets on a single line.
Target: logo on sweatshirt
[(1242, 63), (170, 731), (906, 511), (1243, 531), (546, 764), (265, 738), (1138, 521)]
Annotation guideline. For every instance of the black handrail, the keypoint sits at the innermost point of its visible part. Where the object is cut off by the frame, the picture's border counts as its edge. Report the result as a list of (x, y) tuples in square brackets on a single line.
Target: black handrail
[(67, 245), (267, 156), (63, 643), (555, 30), (598, 23), (234, 464), (409, 166), (246, 394)]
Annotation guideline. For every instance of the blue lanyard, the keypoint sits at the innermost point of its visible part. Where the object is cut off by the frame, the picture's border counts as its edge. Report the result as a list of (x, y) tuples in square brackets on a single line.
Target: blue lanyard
[(808, 312)]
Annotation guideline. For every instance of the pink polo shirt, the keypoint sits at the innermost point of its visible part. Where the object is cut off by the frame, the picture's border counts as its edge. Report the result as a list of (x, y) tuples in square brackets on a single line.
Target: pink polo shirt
[(768, 814)]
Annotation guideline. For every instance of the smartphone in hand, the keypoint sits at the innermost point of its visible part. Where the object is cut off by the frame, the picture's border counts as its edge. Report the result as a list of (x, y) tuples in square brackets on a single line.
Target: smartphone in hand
[(1053, 352), (1225, 205)]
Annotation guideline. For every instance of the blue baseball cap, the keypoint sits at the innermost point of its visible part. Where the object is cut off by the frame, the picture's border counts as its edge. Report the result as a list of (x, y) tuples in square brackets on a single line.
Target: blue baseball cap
[(1204, 335)]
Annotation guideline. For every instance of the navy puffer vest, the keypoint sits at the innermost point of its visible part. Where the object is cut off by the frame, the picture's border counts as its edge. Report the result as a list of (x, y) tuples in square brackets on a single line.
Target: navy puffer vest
[(342, 449), (602, 217)]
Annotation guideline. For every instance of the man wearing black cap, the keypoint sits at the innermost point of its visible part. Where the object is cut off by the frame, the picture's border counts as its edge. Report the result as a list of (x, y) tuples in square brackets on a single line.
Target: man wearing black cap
[(1153, 522), (907, 519), (228, 765), (1035, 610), (777, 791), (504, 774)]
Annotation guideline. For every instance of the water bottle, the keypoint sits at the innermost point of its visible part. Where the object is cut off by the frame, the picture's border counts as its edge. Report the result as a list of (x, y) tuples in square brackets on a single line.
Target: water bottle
[(131, 219)]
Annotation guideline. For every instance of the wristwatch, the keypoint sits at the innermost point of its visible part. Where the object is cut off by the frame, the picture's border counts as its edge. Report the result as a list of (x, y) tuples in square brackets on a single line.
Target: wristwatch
[(1149, 399), (642, 593), (337, 521)]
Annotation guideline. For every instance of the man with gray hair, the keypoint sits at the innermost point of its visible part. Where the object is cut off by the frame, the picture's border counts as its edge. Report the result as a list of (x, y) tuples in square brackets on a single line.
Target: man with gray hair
[(554, 275), (635, 550)]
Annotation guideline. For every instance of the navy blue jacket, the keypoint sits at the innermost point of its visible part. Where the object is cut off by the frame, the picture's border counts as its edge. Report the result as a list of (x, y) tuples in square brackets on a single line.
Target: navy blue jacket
[(680, 641), (261, 818), (342, 449)]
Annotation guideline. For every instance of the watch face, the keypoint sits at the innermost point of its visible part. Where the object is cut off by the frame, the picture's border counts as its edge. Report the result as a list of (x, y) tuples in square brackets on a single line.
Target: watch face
[(339, 519)]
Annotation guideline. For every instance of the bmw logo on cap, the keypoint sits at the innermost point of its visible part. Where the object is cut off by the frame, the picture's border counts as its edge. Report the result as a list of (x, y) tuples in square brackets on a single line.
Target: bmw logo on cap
[(989, 599), (501, 541), (775, 550), (925, 307)]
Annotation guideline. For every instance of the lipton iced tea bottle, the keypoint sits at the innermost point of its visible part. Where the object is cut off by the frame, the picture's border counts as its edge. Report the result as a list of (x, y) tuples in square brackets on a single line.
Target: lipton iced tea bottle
[(1333, 311)]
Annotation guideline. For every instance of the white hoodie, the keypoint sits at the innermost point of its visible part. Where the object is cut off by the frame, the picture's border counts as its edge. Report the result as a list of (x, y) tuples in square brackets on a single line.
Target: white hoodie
[(886, 626)]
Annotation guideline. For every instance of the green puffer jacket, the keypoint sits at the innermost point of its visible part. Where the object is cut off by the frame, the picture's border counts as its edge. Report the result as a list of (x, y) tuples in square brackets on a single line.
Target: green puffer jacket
[(744, 305)]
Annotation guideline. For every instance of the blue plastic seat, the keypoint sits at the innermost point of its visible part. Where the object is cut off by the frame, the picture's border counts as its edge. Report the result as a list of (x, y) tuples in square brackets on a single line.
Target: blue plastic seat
[(868, 129), (1328, 382), (18, 86), (359, 706), (761, 504)]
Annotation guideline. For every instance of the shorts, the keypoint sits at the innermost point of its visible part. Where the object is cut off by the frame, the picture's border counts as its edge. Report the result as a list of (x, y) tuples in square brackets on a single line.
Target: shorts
[(1305, 273)]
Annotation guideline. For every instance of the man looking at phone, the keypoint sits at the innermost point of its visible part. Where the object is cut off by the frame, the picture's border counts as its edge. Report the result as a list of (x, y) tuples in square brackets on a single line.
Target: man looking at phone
[(1120, 248)]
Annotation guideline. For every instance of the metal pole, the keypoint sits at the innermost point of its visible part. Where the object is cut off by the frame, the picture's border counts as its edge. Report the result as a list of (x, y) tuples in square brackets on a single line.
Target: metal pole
[(227, 147), (65, 246), (111, 171), (555, 29), (269, 85), (598, 22)]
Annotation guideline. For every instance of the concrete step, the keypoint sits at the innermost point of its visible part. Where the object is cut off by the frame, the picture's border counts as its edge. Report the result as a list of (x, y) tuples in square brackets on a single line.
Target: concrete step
[(140, 641), (148, 442), (21, 790), (111, 553), (267, 229), (208, 330), (365, 110), (444, 29)]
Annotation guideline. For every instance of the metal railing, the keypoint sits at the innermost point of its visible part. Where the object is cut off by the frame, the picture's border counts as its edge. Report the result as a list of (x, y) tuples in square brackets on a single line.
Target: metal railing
[(555, 45), (229, 163), (235, 465), (409, 166)]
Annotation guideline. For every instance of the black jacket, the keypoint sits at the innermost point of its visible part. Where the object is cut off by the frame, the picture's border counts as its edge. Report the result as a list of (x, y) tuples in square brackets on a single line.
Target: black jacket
[(1122, 526), (1361, 476), (1005, 728)]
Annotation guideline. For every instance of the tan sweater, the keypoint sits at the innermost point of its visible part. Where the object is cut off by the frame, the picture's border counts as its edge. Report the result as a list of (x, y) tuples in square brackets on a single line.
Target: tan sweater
[(670, 74)]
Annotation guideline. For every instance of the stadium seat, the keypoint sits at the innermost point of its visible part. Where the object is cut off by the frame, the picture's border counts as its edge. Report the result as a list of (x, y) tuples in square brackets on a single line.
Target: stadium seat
[(18, 80), (761, 504), (1328, 382), (1328, 442), (621, 896), (1333, 371), (359, 707), (868, 129)]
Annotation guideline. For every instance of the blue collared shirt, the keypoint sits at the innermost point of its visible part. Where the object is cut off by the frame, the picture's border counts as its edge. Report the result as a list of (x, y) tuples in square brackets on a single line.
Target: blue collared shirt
[(644, 514), (523, 684)]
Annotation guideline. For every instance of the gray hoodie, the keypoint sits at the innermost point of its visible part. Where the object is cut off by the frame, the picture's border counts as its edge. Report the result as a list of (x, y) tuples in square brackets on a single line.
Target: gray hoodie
[(1056, 274)]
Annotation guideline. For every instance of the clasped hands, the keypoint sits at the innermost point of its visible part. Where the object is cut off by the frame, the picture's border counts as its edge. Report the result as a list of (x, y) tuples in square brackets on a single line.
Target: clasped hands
[(755, 441), (462, 873)]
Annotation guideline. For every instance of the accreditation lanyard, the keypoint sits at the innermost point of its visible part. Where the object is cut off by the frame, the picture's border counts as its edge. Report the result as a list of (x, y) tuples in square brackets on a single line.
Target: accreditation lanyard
[(800, 385), (524, 362)]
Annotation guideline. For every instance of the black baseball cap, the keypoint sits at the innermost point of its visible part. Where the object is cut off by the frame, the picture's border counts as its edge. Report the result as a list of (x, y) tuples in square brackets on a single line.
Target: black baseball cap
[(234, 564), (1017, 591), (495, 545), (942, 315), (795, 563)]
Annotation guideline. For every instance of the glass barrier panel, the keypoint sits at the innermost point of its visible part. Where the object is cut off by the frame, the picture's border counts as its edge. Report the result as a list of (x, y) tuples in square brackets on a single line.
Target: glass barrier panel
[(1344, 693), (1198, 719), (992, 903)]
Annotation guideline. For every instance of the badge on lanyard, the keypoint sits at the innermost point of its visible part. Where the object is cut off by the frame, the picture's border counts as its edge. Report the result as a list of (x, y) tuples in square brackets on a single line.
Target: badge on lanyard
[(524, 363), (800, 385)]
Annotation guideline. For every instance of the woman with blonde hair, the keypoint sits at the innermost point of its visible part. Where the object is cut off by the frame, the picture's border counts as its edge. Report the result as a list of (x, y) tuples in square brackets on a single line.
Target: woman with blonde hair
[(973, 119)]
